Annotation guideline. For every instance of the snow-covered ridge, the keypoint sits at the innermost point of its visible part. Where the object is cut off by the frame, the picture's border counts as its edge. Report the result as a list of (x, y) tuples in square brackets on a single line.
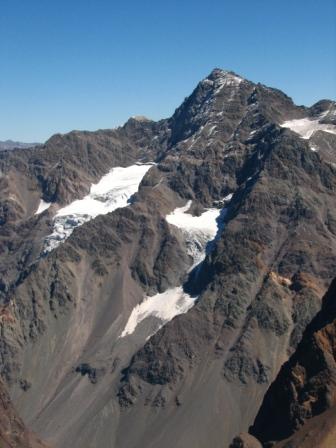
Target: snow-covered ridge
[(229, 79), (306, 127), (112, 191), (198, 232)]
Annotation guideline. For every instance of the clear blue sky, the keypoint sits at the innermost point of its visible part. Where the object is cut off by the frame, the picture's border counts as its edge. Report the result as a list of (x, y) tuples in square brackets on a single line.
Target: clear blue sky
[(89, 64)]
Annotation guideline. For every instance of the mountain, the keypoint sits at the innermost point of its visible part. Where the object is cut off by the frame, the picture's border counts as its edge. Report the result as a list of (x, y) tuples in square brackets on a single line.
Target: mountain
[(155, 278), (9, 144)]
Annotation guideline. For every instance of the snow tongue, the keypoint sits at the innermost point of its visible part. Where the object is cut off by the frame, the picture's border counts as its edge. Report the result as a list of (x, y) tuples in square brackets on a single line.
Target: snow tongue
[(199, 233)]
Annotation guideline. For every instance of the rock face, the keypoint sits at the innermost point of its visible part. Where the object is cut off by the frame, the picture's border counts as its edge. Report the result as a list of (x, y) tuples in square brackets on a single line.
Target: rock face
[(77, 374), (300, 405)]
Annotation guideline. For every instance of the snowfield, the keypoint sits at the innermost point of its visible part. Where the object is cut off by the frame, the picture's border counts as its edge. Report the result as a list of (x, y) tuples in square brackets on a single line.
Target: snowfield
[(198, 232), (113, 191), (306, 127), (164, 306)]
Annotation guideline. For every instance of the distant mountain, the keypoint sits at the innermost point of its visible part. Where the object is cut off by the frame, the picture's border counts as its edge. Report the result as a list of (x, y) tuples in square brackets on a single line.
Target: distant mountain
[(10, 144), (155, 278)]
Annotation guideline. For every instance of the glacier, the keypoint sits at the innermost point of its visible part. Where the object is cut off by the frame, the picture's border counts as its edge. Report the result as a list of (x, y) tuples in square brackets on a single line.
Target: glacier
[(113, 191), (198, 232)]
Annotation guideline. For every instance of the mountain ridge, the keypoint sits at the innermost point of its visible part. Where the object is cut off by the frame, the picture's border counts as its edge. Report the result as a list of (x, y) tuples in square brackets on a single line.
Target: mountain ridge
[(262, 280), (10, 145)]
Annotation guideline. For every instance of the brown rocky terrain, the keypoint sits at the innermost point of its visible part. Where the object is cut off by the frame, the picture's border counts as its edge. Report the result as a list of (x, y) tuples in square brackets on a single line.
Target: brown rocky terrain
[(13, 433), (74, 380), (299, 407)]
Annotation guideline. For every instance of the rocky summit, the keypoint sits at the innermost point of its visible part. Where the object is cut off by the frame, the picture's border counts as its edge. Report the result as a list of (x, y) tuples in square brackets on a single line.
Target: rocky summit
[(162, 283)]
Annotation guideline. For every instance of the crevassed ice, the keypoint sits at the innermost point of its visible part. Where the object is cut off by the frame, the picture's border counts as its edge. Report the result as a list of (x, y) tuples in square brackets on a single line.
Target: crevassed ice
[(206, 222), (198, 232), (306, 127), (111, 192), (42, 206)]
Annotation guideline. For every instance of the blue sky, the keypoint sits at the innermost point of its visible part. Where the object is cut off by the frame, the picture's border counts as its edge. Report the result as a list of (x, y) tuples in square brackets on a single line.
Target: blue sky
[(89, 64)]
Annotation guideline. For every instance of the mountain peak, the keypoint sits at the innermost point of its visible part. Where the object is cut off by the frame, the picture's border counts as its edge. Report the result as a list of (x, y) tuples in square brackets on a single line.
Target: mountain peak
[(218, 73), (140, 118)]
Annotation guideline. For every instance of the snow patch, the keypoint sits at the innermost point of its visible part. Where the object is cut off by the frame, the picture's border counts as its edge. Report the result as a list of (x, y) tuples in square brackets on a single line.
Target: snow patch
[(228, 80), (164, 306), (306, 127), (42, 207), (223, 202), (211, 130), (197, 230), (206, 222), (112, 191), (228, 197)]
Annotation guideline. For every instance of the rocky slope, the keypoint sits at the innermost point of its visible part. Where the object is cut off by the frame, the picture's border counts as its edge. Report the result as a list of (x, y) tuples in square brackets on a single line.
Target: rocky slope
[(179, 308), (13, 433), (58, 172), (300, 405)]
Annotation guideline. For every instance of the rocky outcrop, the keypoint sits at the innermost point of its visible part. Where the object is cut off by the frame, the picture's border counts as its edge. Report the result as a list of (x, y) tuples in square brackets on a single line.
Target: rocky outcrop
[(319, 431), (245, 441), (300, 405)]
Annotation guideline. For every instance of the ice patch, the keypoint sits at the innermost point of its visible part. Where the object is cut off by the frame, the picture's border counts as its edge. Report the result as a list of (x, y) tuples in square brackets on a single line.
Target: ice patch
[(228, 197), (197, 230), (112, 191), (164, 306), (206, 222), (306, 127), (42, 207)]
